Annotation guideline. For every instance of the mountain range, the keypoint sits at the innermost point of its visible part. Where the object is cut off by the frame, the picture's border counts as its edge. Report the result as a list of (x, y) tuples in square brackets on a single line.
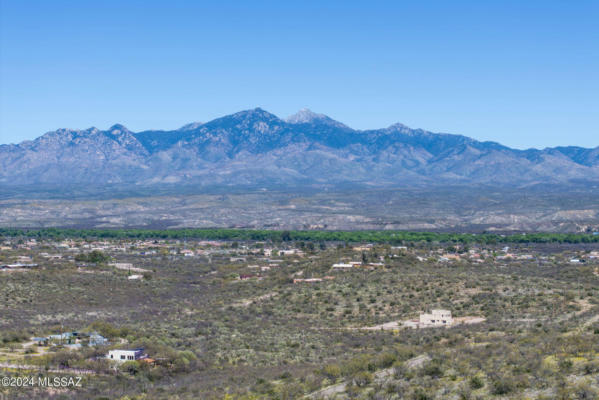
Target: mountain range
[(256, 148)]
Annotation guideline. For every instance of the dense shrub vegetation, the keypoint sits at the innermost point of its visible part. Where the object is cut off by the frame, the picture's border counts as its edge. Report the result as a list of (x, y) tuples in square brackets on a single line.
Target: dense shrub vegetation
[(219, 325)]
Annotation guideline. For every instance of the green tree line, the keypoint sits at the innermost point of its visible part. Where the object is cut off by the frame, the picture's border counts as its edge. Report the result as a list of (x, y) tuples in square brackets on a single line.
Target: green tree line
[(374, 236)]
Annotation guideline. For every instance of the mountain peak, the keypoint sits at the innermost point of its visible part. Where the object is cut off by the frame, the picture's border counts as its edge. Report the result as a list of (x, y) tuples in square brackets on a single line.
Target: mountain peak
[(116, 128), (304, 116), (398, 125), (307, 116), (257, 113)]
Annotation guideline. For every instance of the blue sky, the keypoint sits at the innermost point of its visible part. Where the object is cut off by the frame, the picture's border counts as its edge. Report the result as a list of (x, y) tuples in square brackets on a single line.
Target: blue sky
[(525, 74)]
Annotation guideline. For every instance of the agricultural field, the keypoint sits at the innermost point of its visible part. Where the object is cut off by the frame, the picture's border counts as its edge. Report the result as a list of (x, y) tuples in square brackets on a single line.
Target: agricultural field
[(284, 318)]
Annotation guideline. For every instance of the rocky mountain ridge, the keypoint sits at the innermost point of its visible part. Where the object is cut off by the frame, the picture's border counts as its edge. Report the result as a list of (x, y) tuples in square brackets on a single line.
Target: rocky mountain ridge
[(256, 148)]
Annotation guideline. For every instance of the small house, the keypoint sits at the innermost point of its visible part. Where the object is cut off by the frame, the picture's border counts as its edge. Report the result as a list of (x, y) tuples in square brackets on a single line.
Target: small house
[(342, 266), (126, 355), (436, 318), (65, 337), (96, 339)]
